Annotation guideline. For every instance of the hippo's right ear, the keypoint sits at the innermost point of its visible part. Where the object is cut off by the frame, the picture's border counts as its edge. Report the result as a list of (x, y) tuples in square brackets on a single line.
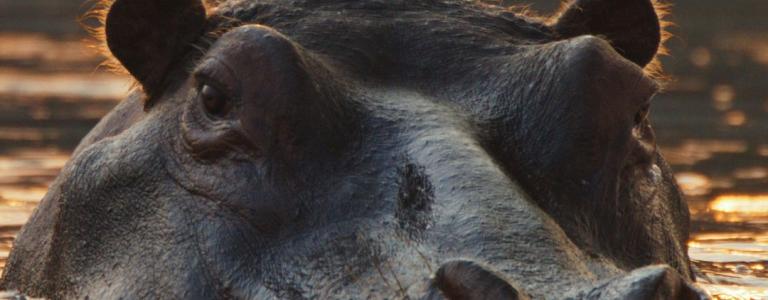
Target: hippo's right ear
[(147, 36), (631, 26)]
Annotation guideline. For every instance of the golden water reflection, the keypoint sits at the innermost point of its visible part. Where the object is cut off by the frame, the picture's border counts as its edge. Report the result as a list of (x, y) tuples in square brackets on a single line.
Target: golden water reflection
[(723, 93), (692, 151), (735, 118), (752, 173), (701, 57), (24, 178), (79, 86), (39, 47), (763, 150), (752, 44), (745, 205), (730, 292), (25, 174), (733, 265), (694, 184)]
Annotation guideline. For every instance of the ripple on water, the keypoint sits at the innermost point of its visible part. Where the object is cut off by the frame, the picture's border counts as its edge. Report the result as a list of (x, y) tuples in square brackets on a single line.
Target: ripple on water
[(732, 261), (731, 265), (7, 234), (24, 178)]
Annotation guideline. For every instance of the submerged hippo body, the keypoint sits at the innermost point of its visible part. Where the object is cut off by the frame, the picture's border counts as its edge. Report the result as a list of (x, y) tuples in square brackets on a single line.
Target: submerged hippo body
[(368, 149)]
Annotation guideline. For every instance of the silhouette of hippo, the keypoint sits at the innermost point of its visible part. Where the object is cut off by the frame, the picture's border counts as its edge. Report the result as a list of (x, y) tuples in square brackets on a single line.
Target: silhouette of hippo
[(376, 149)]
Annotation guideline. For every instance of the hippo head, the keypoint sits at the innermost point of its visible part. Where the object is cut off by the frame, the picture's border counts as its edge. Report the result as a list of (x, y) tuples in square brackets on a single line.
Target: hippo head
[(368, 149)]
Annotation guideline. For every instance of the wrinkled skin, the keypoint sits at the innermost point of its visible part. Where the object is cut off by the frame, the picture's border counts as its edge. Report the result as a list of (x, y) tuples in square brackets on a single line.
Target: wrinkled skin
[(369, 149)]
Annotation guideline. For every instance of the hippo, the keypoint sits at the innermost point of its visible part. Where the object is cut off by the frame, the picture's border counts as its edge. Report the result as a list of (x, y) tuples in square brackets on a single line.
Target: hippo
[(371, 149)]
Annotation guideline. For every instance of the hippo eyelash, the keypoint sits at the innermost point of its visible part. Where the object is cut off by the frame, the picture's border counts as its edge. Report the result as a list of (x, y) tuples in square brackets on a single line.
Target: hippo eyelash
[(202, 80)]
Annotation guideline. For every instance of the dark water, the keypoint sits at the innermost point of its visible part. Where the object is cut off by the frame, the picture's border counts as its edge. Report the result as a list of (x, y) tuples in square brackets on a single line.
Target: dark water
[(712, 123)]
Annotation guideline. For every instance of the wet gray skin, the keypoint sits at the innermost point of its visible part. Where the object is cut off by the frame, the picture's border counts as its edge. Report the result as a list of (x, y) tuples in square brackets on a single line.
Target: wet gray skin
[(368, 149)]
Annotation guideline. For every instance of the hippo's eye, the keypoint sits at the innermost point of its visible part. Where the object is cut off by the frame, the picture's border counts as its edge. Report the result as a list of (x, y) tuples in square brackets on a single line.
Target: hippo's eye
[(214, 101)]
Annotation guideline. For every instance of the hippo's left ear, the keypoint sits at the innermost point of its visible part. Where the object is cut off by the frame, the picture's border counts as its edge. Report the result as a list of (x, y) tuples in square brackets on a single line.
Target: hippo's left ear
[(148, 36), (631, 26)]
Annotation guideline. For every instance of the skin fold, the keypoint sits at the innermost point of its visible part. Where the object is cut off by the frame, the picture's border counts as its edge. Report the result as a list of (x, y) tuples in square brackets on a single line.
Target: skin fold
[(426, 149)]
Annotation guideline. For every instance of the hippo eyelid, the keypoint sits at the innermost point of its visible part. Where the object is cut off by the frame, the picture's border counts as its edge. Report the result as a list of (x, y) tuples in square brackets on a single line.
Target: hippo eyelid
[(216, 72), (202, 79)]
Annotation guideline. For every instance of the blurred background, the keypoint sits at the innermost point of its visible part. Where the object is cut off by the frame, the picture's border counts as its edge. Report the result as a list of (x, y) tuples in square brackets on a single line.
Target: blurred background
[(711, 123)]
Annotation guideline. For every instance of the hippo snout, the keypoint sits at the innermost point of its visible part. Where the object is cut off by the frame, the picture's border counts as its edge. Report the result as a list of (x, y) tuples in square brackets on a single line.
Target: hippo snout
[(467, 279)]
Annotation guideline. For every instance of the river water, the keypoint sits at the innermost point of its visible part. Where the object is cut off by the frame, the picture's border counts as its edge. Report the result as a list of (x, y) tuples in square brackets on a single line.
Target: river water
[(712, 125)]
